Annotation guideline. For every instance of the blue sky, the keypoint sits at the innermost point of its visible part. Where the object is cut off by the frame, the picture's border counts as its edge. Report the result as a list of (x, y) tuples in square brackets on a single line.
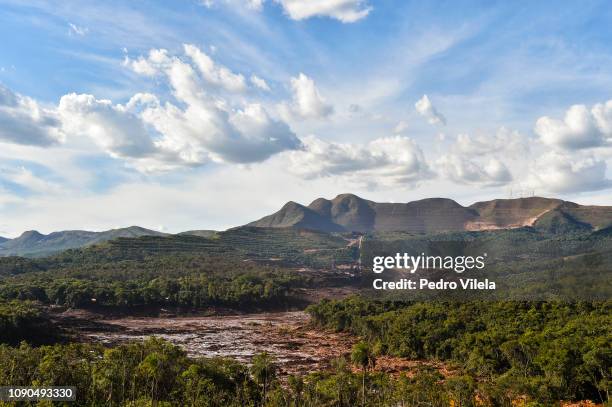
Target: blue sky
[(208, 114)]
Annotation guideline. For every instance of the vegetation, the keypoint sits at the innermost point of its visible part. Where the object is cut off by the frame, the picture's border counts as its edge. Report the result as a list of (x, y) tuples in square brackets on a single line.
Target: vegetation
[(363, 357), (23, 320), (154, 372), (525, 263), (245, 268), (500, 351), (547, 350), (248, 289), (176, 279)]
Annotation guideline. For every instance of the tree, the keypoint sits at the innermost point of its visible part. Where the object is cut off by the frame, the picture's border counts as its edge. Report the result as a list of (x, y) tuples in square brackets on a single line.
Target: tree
[(363, 357), (296, 384), (264, 372)]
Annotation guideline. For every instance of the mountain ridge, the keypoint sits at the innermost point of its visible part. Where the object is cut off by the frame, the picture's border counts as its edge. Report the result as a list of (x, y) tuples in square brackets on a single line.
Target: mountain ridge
[(350, 213), (34, 243)]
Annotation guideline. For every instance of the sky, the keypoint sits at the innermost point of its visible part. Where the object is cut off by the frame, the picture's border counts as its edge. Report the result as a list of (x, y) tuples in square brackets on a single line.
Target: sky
[(208, 114)]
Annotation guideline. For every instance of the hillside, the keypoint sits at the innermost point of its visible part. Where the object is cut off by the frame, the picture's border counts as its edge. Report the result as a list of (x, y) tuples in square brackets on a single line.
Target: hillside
[(33, 243), (298, 216), (350, 213)]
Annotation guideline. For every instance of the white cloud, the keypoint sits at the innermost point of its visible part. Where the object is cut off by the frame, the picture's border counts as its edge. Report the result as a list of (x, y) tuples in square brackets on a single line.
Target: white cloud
[(385, 161), (25, 121), (198, 127), (465, 171), (259, 83), (347, 11), (580, 127), (563, 173), (215, 73), (425, 108), (146, 66), (159, 61), (77, 30), (204, 127), (307, 102), (116, 130), (503, 141), (256, 5)]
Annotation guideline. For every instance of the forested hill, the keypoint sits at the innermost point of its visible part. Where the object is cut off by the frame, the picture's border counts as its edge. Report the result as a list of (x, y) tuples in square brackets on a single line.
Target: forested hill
[(526, 262)]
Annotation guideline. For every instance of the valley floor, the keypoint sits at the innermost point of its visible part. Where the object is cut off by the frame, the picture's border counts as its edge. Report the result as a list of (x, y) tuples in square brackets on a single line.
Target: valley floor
[(297, 347)]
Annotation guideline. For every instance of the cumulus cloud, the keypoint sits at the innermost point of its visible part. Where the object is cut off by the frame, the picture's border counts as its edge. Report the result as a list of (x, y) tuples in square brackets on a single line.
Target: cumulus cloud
[(112, 127), (159, 61), (205, 127), (347, 11), (149, 65), (25, 121), (259, 83), (215, 73), (580, 127), (307, 102), (389, 160), (426, 109), (560, 172), (465, 171), (202, 126)]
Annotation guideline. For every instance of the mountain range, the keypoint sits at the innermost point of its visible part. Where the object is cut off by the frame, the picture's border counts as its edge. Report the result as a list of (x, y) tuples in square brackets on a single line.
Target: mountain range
[(350, 213), (33, 243)]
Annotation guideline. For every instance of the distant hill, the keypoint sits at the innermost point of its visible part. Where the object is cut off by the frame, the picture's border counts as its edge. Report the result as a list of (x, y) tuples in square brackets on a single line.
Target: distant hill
[(3, 239), (34, 244), (348, 212)]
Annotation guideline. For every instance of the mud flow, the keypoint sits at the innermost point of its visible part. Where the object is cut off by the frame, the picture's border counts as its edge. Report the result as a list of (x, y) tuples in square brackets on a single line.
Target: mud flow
[(286, 335)]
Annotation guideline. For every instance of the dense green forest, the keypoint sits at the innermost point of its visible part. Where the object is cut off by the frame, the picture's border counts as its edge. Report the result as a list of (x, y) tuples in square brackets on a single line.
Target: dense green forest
[(154, 372), (498, 352), (177, 279), (246, 268), (129, 285), (24, 320), (525, 263), (548, 350)]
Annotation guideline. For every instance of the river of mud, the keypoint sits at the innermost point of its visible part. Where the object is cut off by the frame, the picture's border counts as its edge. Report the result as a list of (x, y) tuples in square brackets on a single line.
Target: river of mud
[(296, 346)]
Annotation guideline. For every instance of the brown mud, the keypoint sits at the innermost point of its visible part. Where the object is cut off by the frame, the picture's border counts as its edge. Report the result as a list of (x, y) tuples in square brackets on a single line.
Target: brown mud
[(297, 347)]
